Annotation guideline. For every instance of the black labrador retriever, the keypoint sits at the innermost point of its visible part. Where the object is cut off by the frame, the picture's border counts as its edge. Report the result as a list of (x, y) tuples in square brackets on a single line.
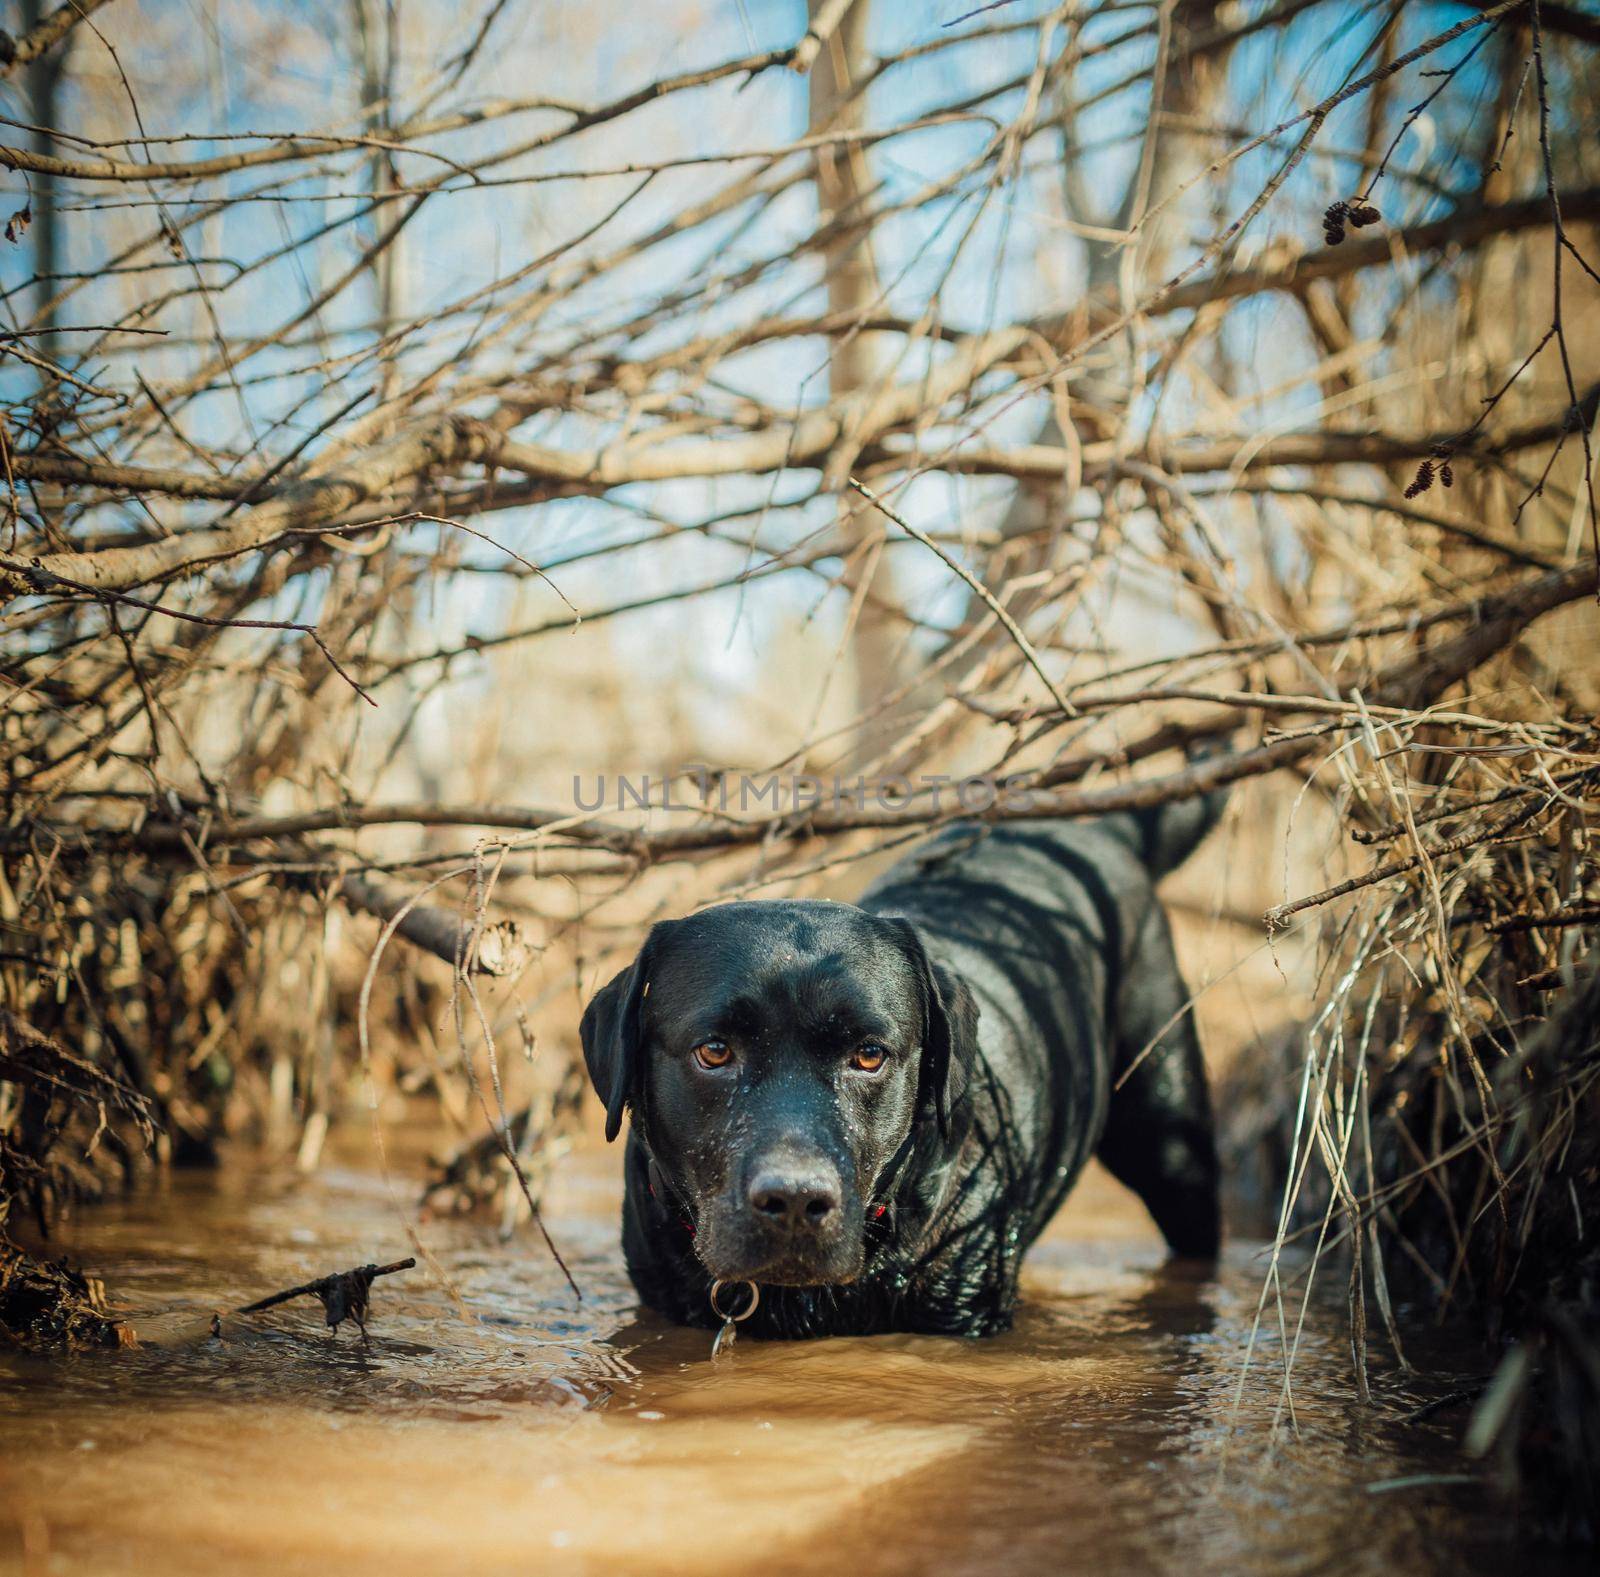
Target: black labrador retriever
[(871, 1111)]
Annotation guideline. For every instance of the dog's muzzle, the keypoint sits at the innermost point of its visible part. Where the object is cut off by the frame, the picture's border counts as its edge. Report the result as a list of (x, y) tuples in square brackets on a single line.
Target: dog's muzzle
[(788, 1223)]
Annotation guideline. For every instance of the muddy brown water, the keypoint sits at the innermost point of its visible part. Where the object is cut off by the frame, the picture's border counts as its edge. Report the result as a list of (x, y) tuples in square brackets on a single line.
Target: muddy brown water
[(1111, 1432)]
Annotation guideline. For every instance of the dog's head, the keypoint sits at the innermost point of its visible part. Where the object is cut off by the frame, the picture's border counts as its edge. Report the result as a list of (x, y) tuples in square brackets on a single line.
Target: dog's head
[(777, 1058)]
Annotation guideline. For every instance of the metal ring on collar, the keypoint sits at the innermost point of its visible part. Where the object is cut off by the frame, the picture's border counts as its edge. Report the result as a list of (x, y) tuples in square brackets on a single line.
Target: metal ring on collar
[(755, 1299)]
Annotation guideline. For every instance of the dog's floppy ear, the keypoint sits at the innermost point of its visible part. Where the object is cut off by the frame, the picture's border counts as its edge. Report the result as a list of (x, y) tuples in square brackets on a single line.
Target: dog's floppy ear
[(950, 1030), (612, 1031)]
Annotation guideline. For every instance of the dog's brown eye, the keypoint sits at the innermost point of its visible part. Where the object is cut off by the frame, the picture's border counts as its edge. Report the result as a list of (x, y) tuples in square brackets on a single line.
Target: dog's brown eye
[(869, 1058), (713, 1054)]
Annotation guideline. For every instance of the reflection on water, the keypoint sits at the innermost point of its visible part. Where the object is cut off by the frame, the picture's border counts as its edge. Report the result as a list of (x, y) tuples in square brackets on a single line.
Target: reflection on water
[(1109, 1432)]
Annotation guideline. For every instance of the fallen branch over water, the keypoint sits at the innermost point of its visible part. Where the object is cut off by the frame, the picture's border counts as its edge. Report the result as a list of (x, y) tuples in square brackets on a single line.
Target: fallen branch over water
[(494, 949)]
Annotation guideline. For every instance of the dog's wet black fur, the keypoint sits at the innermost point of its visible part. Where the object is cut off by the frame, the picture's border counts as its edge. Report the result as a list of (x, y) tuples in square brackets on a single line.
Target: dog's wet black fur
[(900, 1093)]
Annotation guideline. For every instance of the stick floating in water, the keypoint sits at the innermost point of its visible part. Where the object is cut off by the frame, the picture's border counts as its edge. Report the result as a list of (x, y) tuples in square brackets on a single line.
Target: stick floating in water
[(344, 1294)]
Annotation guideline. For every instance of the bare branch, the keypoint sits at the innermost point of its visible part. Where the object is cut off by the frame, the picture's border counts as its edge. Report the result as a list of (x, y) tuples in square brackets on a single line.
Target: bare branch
[(18, 52)]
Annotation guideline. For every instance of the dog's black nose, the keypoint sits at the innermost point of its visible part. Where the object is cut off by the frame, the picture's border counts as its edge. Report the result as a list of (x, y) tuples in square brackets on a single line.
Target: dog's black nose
[(794, 1197)]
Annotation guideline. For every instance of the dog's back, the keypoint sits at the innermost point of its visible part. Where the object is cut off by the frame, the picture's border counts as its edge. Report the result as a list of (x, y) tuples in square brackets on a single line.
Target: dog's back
[(1085, 1030)]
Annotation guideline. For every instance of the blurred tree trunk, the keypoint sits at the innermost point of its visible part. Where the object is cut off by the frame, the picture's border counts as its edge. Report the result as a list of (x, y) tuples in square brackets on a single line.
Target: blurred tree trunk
[(1183, 90), (843, 180), (42, 79), (378, 41)]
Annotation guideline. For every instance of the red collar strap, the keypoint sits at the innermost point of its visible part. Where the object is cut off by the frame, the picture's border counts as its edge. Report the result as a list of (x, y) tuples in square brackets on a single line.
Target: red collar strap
[(682, 1219)]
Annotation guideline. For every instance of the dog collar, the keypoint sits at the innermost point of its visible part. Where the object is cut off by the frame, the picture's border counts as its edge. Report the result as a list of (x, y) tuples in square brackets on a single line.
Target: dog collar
[(673, 1208)]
